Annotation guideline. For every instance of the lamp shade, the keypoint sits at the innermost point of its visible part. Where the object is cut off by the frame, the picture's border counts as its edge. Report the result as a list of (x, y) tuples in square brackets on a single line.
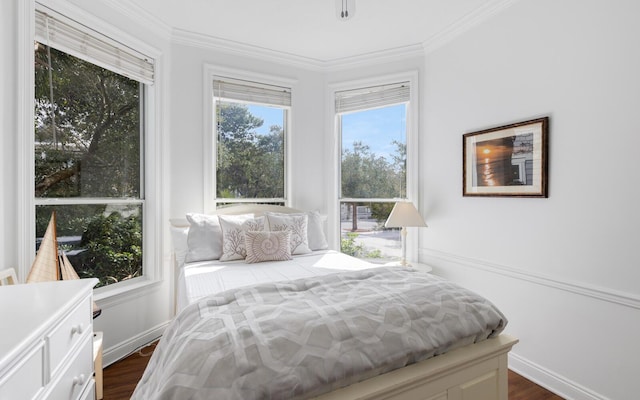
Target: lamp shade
[(404, 213)]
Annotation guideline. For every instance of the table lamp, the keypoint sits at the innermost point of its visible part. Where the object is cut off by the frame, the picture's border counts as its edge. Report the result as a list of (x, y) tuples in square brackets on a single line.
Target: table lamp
[(404, 214)]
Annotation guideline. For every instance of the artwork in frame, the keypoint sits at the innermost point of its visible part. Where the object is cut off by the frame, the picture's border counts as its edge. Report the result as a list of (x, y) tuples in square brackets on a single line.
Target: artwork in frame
[(508, 160)]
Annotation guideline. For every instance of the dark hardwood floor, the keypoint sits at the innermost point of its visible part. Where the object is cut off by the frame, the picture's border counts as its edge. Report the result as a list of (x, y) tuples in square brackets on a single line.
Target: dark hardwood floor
[(521, 388), (120, 380)]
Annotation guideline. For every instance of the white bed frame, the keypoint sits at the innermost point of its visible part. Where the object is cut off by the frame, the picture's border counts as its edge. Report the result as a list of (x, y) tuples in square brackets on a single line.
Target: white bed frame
[(474, 372)]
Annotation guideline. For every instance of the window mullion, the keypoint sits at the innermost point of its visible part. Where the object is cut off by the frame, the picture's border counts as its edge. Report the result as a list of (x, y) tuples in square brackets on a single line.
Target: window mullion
[(39, 201)]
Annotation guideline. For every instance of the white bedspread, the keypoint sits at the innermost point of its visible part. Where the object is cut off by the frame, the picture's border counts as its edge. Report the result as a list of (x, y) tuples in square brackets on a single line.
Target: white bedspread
[(200, 279)]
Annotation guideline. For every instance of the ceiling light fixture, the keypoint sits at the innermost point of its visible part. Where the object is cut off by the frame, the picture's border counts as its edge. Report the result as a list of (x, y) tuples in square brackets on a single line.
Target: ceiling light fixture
[(345, 9)]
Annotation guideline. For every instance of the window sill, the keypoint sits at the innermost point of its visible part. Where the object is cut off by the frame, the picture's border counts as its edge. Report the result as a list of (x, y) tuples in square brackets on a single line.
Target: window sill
[(118, 292)]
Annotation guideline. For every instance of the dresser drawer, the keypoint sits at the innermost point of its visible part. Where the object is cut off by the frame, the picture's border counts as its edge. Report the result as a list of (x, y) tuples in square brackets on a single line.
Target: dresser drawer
[(66, 335), (40, 351), (27, 378), (78, 375)]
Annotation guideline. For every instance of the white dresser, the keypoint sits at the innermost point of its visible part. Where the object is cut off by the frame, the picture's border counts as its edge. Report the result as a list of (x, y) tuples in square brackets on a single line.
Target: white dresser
[(46, 340)]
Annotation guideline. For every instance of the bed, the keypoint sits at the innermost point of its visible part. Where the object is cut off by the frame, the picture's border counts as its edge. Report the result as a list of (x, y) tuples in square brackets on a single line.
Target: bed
[(325, 341)]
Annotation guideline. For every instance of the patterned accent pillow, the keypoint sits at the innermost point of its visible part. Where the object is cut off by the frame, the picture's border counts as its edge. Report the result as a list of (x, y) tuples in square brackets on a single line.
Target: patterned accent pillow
[(315, 228), (297, 225), (267, 246), (233, 229)]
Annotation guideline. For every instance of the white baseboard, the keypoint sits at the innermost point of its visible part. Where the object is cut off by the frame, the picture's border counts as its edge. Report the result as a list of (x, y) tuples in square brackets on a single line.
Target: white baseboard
[(559, 385), (123, 349)]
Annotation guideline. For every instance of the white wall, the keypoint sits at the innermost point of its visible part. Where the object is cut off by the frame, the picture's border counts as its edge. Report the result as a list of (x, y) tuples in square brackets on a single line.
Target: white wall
[(188, 126), (564, 269), (8, 138)]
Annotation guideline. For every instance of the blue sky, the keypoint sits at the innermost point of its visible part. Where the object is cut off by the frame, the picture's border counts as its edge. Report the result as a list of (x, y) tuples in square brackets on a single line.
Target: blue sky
[(377, 128), (270, 115)]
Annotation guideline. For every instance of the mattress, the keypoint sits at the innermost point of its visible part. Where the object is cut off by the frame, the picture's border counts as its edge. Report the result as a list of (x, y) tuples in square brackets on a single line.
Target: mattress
[(200, 279)]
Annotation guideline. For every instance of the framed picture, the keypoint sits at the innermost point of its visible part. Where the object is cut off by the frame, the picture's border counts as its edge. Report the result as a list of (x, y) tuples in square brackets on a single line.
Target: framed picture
[(508, 160)]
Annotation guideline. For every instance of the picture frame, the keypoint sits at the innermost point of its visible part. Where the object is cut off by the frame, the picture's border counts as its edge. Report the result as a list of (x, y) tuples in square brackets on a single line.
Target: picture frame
[(509, 160)]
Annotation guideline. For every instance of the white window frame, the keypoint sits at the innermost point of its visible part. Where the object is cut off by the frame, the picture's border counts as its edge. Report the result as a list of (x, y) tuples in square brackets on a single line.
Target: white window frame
[(152, 139), (210, 149), (333, 222)]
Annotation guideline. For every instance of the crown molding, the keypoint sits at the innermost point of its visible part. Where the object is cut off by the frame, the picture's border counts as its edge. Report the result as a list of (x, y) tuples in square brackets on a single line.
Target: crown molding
[(377, 57), (194, 39), (465, 23), (141, 16)]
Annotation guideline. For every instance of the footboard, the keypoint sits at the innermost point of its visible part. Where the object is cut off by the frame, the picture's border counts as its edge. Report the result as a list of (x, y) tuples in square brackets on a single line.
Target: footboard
[(477, 372)]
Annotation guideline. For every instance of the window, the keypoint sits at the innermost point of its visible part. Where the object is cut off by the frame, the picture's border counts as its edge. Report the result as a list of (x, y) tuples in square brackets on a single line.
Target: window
[(251, 125), (88, 147), (372, 124)]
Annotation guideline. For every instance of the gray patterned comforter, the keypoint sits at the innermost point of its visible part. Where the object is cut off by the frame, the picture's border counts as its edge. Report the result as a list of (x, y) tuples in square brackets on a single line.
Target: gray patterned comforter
[(299, 339)]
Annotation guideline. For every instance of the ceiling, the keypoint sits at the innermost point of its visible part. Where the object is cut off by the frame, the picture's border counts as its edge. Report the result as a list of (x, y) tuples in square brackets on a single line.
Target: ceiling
[(311, 29)]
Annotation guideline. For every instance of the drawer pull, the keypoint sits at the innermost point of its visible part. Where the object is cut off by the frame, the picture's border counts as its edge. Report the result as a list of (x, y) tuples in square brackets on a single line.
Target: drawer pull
[(76, 329), (79, 380)]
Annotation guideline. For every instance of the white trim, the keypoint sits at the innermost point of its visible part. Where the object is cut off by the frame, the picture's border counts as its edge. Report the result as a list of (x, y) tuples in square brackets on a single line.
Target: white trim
[(199, 40), (378, 57), (558, 384), (108, 297), (123, 349), (464, 24), (65, 201), (193, 39), (26, 94), (154, 157), (333, 135), (413, 163), (209, 145), (413, 143), (189, 38), (141, 16), (596, 292), (209, 73)]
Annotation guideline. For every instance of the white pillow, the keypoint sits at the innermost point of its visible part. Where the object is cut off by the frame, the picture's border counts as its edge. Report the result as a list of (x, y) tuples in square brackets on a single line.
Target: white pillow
[(267, 246), (297, 225), (179, 235), (204, 238), (233, 229), (315, 229)]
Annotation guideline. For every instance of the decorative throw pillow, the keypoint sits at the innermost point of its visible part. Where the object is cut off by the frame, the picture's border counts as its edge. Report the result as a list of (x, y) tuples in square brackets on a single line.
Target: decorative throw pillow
[(233, 229), (204, 239), (297, 225), (267, 246), (315, 229)]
